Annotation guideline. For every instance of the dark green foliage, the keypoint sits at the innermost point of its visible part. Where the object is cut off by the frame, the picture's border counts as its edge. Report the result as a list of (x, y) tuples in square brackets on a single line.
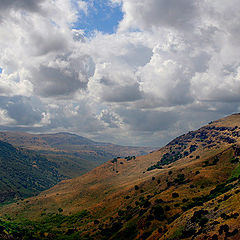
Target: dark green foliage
[(199, 217), (233, 215), (223, 228), (128, 158), (193, 148), (218, 190), (235, 160), (96, 222), (180, 179), (188, 233), (175, 195), (146, 235), (29, 230), (185, 153), (156, 166), (167, 208), (136, 187), (24, 173), (60, 210), (129, 232), (121, 213), (157, 201), (169, 158), (215, 237), (158, 212)]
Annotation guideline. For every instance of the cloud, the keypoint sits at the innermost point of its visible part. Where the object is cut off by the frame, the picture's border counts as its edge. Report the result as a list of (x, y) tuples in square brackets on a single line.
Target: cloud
[(147, 14), (127, 93), (29, 5), (170, 67), (22, 110), (150, 121)]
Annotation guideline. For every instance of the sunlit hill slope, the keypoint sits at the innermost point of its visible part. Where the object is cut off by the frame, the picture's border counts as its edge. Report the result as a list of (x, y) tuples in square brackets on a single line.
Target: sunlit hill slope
[(189, 189), (74, 155)]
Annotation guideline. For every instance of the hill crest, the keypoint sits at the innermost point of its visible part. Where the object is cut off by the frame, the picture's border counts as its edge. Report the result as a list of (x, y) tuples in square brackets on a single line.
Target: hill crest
[(192, 193)]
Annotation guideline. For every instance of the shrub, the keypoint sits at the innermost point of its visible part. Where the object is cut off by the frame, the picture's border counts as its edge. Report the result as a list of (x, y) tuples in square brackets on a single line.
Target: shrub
[(175, 195), (60, 210), (136, 187), (96, 222), (158, 212)]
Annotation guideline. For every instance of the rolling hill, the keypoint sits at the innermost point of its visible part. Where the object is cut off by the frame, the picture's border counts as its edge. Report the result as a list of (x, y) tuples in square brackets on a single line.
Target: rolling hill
[(73, 154), (189, 189)]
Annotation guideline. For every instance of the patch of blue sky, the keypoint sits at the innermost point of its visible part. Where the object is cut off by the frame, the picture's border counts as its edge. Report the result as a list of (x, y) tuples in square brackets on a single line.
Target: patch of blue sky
[(101, 16)]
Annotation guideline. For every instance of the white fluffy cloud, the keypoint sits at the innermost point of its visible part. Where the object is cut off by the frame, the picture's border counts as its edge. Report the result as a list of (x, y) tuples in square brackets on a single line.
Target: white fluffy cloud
[(170, 67)]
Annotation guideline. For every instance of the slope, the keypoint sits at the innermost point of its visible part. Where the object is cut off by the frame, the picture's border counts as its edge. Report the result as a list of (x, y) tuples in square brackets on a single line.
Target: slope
[(24, 173), (187, 190), (73, 154)]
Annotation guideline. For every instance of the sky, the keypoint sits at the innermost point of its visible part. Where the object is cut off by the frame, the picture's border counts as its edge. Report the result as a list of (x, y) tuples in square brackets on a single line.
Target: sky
[(131, 72)]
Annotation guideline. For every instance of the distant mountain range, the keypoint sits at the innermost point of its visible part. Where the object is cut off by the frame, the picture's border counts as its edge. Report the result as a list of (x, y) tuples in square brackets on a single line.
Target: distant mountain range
[(189, 189), (32, 163)]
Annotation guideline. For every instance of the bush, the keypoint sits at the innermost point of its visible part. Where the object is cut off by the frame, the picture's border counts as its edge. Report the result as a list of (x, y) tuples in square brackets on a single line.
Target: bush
[(158, 212), (175, 195), (136, 187), (60, 210), (96, 222)]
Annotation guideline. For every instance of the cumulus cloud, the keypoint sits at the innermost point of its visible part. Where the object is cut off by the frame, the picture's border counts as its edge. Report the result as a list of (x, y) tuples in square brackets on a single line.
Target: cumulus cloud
[(159, 13), (29, 5), (170, 67)]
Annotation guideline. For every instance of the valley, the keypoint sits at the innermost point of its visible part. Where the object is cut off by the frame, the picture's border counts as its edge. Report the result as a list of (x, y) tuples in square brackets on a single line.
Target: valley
[(189, 189)]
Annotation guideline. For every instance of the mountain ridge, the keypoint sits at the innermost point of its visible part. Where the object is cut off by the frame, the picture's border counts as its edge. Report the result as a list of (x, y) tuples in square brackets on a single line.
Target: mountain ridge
[(74, 154), (193, 193)]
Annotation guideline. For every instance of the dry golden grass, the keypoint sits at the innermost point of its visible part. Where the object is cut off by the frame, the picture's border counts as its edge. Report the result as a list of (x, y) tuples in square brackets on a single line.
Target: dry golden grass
[(103, 191)]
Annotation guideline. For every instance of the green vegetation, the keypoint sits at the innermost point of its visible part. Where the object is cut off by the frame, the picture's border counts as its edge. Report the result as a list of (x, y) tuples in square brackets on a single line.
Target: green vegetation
[(217, 191), (173, 156), (24, 173), (57, 226), (236, 172)]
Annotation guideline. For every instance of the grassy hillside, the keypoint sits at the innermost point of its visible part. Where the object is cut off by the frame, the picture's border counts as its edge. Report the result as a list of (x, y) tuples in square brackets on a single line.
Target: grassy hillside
[(24, 173), (74, 155), (190, 189)]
